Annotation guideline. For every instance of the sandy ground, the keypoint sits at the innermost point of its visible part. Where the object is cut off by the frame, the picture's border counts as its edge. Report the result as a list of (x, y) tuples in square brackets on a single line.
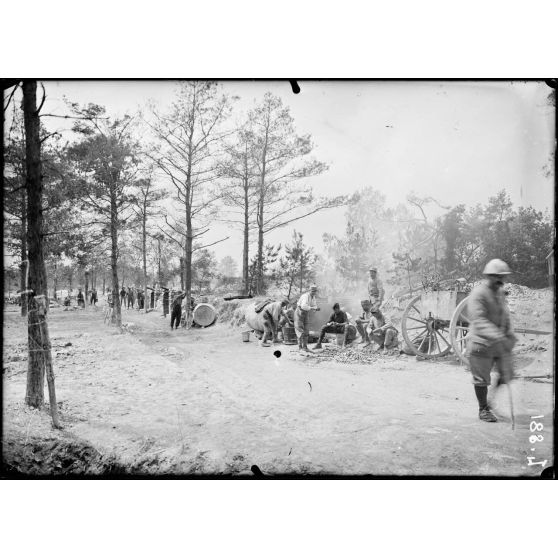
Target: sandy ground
[(203, 402)]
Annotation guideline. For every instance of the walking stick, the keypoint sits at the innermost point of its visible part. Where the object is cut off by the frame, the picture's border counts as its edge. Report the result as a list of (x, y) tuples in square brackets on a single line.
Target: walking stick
[(511, 405)]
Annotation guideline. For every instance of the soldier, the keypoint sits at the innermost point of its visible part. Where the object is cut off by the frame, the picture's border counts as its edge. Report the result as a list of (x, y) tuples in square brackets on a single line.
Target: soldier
[(363, 320), (271, 315), (382, 332), (338, 323), (80, 299), (491, 337), (306, 303), (122, 296), (177, 310), (130, 297), (375, 289)]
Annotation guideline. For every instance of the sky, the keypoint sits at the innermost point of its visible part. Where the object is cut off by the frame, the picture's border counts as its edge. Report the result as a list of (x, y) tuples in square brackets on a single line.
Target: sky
[(459, 142)]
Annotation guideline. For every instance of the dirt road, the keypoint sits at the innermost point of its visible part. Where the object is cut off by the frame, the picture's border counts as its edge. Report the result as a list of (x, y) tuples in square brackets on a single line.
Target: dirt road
[(203, 402)]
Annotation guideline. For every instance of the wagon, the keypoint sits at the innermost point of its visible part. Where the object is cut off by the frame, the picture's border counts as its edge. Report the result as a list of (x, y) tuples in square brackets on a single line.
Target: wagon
[(436, 322)]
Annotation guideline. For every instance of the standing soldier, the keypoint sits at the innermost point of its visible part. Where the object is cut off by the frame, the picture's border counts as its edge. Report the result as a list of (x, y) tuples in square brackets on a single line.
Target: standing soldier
[(177, 310), (80, 299), (306, 303), (122, 296), (491, 338), (375, 289), (94, 298)]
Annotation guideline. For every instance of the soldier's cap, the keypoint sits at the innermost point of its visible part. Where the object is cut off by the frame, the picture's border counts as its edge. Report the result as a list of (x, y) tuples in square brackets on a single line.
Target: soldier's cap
[(496, 267), (373, 269), (364, 302), (313, 288)]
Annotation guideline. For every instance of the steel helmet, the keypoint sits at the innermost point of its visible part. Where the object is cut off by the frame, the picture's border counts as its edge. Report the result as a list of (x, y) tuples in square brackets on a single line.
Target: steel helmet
[(496, 267)]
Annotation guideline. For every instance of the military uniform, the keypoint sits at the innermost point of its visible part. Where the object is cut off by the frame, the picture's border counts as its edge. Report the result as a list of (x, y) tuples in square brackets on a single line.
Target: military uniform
[(306, 303), (271, 314), (490, 336)]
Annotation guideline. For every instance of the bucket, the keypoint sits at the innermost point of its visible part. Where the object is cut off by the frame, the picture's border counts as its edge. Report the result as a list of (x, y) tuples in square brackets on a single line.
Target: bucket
[(246, 336), (289, 335)]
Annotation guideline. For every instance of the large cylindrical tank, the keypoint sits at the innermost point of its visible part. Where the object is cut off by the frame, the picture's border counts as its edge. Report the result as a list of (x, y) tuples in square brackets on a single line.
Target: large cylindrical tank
[(204, 314)]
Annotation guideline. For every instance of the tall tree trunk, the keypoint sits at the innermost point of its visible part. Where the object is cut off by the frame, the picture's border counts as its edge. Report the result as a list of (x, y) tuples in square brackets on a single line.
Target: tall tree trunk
[(55, 279), (114, 256), (182, 270), (39, 358), (260, 263), (144, 260), (24, 261), (260, 219), (37, 273), (188, 260), (86, 287), (245, 264)]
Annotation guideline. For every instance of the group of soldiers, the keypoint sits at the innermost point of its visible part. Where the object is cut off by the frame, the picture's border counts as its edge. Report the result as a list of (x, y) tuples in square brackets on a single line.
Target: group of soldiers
[(371, 325), (489, 342)]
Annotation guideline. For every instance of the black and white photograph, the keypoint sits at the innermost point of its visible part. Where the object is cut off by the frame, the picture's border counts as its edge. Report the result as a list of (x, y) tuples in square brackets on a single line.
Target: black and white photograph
[(278, 278)]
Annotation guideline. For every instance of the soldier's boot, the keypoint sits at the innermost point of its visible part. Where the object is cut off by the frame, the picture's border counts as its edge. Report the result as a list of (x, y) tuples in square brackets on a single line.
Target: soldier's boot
[(300, 342), (305, 344), (487, 415)]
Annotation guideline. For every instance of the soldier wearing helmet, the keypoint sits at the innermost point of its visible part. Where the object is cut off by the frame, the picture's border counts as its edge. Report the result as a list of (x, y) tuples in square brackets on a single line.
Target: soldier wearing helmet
[(491, 338), (375, 289)]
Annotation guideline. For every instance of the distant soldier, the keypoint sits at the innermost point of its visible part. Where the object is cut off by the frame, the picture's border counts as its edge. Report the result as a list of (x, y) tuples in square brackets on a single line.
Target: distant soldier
[(122, 296), (375, 289), (94, 297), (306, 303), (177, 310), (80, 299), (130, 298), (491, 337)]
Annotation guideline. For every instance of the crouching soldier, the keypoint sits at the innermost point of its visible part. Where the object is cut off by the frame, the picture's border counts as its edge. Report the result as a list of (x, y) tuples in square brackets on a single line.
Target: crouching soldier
[(363, 320), (338, 323), (271, 315), (382, 332)]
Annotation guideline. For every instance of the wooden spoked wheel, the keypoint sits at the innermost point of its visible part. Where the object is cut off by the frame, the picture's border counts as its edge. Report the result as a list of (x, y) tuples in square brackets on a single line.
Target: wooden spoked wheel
[(459, 328), (426, 335)]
